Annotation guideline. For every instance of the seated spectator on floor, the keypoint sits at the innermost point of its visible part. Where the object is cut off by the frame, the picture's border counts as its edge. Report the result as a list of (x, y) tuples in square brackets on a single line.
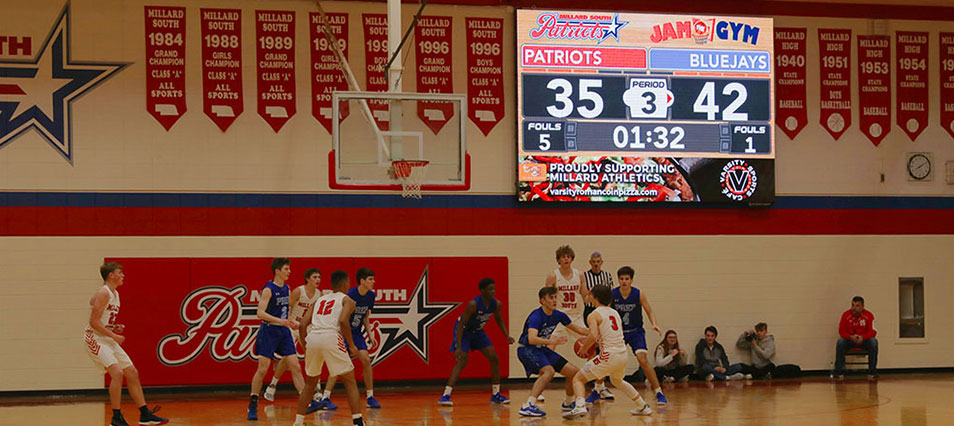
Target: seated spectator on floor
[(671, 362), (711, 361), (857, 331), (762, 348)]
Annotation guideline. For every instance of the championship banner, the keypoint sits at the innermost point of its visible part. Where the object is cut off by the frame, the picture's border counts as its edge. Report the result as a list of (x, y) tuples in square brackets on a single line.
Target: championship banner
[(485, 92), (874, 86), (791, 107), (375, 58), (275, 66), (165, 63), (834, 54), (326, 73), (435, 72), (192, 321), (222, 65), (946, 64), (912, 82)]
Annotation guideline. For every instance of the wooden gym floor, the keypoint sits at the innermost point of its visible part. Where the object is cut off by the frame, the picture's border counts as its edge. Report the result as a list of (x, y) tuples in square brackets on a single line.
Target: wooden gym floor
[(894, 399)]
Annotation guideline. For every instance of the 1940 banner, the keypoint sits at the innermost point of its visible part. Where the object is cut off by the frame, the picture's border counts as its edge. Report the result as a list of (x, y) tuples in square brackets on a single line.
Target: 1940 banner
[(192, 321)]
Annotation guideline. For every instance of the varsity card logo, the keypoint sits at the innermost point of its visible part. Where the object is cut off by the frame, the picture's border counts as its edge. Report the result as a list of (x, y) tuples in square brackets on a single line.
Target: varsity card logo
[(738, 180), (222, 322), (705, 30), (577, 27), (38, 93)]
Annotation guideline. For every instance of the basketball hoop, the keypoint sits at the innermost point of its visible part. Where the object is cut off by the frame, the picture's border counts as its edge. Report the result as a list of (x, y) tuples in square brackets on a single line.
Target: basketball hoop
[(411, 174)]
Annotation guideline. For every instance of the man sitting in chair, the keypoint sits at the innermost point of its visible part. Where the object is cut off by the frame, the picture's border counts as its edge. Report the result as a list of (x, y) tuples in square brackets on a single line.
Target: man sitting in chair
[(857, 331)]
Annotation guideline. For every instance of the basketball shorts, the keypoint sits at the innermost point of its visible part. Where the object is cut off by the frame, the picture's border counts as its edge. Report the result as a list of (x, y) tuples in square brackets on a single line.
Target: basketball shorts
[(536, 358), (636, 340), (105, 352), (611, 364), (570, 335), (359, 341), (274, 340), (330, 349), (470, 341)]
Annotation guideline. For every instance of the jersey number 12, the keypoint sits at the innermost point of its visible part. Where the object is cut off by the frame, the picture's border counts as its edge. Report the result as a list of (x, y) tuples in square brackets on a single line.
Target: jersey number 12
[(324, 308)]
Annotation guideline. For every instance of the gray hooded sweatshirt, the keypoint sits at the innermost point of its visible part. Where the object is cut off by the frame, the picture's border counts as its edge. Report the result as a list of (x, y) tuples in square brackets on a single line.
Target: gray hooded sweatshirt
[(762, 350)]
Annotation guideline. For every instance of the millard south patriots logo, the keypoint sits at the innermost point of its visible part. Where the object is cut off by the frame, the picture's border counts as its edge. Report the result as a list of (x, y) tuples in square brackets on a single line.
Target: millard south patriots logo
[(577, 27), (220, 322), (38, 93)]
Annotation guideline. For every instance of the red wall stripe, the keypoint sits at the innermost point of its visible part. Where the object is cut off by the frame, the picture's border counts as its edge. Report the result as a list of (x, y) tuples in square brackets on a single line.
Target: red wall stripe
[(158, 221)]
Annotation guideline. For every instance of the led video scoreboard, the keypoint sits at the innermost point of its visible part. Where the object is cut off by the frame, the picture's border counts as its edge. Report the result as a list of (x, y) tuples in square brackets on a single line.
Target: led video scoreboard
[(640, 107)]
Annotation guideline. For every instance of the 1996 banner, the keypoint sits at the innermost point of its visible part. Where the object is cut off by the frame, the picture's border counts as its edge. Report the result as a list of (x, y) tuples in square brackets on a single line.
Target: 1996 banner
[(192, 321)]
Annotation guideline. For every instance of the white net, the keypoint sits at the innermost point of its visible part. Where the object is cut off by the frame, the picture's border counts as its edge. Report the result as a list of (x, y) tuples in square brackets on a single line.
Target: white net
[(411, 174)]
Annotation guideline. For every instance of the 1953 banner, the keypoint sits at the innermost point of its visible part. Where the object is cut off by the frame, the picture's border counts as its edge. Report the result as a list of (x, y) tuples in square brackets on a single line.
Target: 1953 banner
[(192, 321)]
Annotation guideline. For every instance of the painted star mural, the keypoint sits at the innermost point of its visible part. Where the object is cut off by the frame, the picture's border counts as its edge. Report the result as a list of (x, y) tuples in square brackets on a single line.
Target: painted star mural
[(39, 93)]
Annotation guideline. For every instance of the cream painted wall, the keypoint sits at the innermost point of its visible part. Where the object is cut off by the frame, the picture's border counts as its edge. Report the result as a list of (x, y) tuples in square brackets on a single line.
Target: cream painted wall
[(799, 285)]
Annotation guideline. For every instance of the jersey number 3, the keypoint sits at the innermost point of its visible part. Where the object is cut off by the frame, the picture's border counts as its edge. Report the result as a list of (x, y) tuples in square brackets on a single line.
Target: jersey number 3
[(324, 308), (614, 326)]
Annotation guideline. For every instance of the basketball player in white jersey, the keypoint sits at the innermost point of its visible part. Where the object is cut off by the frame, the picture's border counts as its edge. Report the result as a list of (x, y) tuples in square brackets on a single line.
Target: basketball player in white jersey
[(568, 282), (302, 297), (326, 331), (606, 328), (103, 345)]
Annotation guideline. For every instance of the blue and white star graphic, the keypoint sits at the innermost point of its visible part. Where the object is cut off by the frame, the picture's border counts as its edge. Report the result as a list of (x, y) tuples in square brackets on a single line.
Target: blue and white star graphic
[(39, 93), (409, 322), (613, 31)]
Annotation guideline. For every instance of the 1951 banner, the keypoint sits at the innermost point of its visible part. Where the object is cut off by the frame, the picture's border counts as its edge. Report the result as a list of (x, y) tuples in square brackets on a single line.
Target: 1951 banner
[(192, 321)]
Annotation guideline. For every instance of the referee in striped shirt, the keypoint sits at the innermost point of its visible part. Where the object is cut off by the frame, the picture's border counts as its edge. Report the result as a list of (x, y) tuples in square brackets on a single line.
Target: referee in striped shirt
[(593, 277)]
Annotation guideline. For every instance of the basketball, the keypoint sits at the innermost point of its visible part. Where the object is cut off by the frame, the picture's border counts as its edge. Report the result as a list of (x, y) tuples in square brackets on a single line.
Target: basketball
[(578, 346)]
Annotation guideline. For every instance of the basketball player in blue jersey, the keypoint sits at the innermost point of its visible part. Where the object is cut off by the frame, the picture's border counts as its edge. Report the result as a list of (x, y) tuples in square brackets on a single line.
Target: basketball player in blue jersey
[(537, 358), (274, 335), (469, 336), (363, 296), (629, 302)]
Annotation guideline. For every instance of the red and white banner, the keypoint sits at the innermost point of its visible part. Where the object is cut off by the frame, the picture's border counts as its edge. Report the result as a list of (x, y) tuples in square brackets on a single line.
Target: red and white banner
[(485, 92), (946, 64), (189, 323), (912, 82), (275, 66), (834, 54), (165, 63), (874, 86), (435, 68), (326, 73), (791, 108), (375, 58), (222, 65)]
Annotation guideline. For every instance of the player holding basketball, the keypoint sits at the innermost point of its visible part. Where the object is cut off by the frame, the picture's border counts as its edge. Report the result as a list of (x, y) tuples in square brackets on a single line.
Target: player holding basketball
[(629, 302), (606, 329), (103, 345), (469, 336), (274, 335), (363, 296), (302, 297), (326, 330), (568, 281), (536, 356)]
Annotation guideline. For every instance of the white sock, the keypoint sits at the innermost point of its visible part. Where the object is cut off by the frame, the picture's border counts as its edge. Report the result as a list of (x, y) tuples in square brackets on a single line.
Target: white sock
[(355, 416), (327, 394), (657, 390), (447, 390), (640, 403), (274, 382), (532, 400), (494, 389), (370, 393), (580, 402), (600, 386), (299, 419)]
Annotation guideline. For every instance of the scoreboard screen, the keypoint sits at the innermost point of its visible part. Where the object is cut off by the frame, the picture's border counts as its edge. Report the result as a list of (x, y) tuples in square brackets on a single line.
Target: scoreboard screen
[(641, 107)]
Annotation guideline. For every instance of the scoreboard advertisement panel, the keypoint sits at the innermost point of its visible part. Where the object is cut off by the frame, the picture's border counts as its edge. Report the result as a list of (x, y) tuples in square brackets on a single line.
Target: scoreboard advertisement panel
[(642, 107)]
